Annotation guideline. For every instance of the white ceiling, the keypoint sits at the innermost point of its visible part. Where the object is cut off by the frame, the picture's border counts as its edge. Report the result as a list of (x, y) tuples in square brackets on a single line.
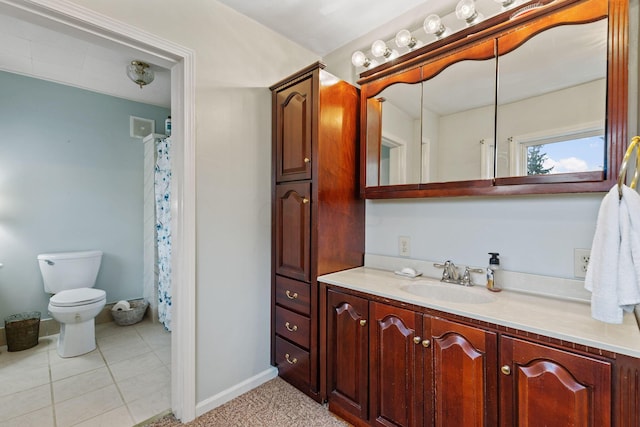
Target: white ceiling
[(58, 54)]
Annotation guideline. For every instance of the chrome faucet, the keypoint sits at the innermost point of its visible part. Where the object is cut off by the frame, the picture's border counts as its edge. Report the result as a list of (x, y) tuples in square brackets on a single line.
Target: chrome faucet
[(450, 273)]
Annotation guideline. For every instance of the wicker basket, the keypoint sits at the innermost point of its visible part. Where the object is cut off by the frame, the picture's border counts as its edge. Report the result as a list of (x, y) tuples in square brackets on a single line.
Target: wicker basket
[(133, 316), (22, 330)]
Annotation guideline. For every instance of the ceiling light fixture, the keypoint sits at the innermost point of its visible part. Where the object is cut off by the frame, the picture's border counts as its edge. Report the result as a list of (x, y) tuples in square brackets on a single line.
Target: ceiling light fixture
[(359, 59), (433, 25), (139, 73), (466, 10), (507, 4)]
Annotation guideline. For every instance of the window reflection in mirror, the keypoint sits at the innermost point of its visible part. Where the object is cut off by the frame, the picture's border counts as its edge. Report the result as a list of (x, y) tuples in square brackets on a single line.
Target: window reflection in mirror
[(400, 134), (458, 122), (552, 102)]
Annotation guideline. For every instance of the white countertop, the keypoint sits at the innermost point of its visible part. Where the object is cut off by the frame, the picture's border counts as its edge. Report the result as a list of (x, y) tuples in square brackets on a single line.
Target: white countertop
[(556, 318)]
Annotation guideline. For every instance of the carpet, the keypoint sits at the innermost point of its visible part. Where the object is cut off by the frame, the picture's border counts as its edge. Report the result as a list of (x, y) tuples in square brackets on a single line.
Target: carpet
[(273, 404)]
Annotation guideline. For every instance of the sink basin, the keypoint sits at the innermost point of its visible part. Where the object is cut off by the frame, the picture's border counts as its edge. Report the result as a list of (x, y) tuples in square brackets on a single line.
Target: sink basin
[(450, 293)]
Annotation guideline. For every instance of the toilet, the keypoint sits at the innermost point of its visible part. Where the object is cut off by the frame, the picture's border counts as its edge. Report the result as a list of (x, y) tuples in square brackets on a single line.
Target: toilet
[(71, 277)]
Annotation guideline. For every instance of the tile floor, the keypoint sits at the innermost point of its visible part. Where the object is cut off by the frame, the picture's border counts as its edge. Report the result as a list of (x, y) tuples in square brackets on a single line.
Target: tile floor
[(125, 381)]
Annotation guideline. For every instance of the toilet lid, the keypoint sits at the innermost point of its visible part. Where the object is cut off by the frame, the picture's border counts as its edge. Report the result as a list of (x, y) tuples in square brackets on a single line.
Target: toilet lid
[(80, 296)]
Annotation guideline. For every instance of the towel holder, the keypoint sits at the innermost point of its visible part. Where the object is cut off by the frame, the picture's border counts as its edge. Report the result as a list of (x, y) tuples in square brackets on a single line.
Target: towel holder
[(634, 145)]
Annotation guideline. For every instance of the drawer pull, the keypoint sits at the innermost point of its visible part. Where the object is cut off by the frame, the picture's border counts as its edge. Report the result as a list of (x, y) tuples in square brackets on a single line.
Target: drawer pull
[(506, 369), (305, 200), (426, 343), (363, 322), (291, 295), (291, 328), (291, 362), (417, 340), (307, 160)]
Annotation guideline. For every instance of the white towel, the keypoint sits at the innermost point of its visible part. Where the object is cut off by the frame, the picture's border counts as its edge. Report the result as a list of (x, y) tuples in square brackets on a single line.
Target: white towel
[(614, 264)]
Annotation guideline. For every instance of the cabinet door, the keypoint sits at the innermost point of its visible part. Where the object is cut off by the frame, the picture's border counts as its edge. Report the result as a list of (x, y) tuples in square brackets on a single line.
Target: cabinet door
[(347, 354), (292, 230), (395, 366), (543, 386), (293, 110), (464, 374)]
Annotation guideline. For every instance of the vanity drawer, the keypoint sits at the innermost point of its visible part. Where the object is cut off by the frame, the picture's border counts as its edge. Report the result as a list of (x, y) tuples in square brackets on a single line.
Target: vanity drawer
[(293, 294), (292, 362), (292, 326)]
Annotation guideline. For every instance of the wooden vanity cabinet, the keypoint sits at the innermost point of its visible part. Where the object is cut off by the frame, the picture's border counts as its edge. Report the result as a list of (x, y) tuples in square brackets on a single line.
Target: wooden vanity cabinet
[(317, 216), (425, 369)]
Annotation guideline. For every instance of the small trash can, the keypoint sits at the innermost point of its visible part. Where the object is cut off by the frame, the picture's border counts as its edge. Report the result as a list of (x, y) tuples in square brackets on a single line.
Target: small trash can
[(22, 330)]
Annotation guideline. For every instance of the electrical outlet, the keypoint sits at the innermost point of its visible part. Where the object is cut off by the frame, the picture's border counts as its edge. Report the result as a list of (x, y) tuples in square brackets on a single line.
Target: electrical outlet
[(404, 246), (581, 262)]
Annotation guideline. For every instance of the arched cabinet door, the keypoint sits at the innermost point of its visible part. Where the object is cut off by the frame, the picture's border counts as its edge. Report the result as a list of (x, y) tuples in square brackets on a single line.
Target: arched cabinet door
[(464, 375), (293, 132), (544, 386), (395, 366), (292, 230), (347, 354)]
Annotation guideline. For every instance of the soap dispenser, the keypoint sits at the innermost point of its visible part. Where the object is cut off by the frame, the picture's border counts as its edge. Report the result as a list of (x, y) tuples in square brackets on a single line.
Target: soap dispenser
[(492, 269)]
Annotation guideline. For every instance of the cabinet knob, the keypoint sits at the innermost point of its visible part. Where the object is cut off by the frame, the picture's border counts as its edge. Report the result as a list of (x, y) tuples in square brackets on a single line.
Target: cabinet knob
[(363, 322), (307, 160), (289, 360), (305, 200), (426, 343), (291, 328), (291, 295), (417, 340), (506, 369)]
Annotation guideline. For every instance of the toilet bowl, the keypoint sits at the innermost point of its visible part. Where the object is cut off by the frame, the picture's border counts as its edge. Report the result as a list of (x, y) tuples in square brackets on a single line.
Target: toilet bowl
[(70, 277)]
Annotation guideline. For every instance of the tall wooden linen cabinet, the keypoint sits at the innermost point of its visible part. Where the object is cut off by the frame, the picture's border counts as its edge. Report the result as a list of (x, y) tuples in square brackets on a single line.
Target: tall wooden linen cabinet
[(317, 214)]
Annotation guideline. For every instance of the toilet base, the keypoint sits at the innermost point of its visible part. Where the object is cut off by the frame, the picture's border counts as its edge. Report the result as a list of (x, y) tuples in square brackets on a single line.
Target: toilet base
[(76, 338)]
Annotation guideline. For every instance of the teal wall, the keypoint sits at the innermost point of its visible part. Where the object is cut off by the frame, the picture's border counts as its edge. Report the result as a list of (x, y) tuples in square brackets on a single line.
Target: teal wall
[(71, 178)]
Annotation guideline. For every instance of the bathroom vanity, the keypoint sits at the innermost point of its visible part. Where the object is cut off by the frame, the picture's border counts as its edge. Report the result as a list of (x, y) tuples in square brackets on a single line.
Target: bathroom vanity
[(417, 352)]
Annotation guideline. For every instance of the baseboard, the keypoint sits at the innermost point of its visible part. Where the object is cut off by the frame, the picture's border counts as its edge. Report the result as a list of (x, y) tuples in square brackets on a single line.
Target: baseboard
[(235, 391)]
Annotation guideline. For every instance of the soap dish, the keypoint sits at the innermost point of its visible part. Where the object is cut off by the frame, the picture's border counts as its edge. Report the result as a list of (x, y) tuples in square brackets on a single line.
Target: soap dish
[(408, 272)]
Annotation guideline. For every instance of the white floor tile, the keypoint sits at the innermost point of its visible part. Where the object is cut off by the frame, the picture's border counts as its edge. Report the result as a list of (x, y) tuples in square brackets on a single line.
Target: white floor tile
[(144, 363), (145, 384), (68, 367), (89, 405), (117, 417), (24, 402), (81, 384), (137, 358), (39, 418), (150, 405)]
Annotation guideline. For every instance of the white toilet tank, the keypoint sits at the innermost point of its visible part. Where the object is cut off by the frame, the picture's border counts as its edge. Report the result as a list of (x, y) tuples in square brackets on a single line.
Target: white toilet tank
[(69, 270)]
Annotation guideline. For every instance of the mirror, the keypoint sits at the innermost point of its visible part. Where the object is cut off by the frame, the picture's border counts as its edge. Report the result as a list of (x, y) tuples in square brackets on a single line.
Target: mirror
[(532, 102), (399, 108), (552, 100), (458, 117)]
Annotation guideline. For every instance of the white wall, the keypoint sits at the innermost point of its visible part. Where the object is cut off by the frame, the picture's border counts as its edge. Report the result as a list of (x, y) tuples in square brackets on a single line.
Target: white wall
[(236, 61)]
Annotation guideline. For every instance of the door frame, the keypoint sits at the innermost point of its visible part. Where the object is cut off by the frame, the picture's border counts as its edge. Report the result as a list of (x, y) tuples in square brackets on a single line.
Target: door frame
[(181, 62)]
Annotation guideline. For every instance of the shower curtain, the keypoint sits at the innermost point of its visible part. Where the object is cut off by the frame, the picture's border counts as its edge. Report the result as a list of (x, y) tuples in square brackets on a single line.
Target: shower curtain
[(162, 185)]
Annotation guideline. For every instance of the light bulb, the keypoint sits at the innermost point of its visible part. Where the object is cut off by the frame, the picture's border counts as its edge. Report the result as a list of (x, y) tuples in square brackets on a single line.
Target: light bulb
[(359, 59), (379, 48), (466, 10), (405, 39), (433, 25)]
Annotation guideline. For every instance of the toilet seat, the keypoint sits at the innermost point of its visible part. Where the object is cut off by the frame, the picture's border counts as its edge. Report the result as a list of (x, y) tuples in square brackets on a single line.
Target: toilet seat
[(76, 297)]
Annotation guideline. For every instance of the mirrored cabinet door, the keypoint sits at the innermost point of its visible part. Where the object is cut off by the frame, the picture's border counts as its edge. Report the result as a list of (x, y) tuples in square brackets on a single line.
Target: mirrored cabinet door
[(458, 99), (398, 141), (552, 103)]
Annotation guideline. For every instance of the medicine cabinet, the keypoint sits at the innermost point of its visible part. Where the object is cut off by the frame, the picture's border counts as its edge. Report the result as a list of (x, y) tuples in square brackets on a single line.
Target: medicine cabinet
[(530, 101)]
